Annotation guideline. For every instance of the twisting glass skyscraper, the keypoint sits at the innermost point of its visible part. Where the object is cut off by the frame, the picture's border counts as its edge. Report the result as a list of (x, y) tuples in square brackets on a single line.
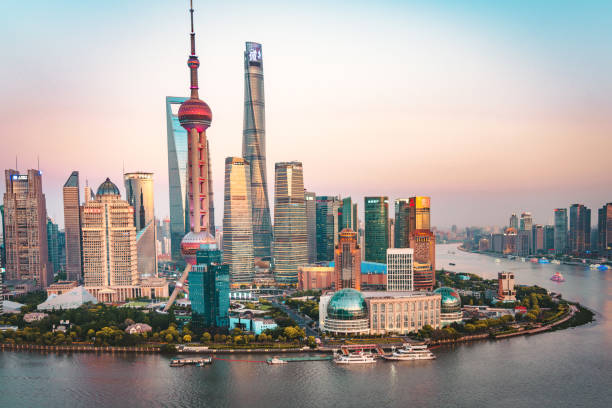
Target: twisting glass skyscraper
[(254, 147), (290, 238), (237, 221)]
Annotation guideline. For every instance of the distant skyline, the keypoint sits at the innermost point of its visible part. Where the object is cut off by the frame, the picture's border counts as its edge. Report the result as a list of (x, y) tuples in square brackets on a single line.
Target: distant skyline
[(489, 108)]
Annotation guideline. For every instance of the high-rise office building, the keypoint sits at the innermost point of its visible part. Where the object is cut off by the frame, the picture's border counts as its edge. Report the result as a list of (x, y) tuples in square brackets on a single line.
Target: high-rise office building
[(290, 236), (579, 229), (346, 216), (376, 228), (523, 243), (311, 225), (423, 242), (237, 221), (53, 245), (549, 239), (177, 175), (25, 229), (400, 269), (509, 241), (109, 241), (514, 222), (401, 230), (604, 230), (209, 290), (327, 226), (347, 261), (560, 215), (537, 239), (254, 147), (72, 228), (139, 194), (526, 222)]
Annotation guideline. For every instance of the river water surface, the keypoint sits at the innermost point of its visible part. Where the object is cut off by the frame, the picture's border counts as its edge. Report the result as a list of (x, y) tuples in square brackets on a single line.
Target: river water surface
[(568, 368)]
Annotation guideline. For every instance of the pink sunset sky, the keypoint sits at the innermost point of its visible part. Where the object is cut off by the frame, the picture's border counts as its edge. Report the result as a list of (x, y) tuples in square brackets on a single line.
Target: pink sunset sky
[(488, 109)]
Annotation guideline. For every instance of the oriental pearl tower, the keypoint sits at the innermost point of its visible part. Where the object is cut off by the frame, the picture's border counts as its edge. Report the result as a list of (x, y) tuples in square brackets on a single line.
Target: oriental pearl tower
[(195, 116)]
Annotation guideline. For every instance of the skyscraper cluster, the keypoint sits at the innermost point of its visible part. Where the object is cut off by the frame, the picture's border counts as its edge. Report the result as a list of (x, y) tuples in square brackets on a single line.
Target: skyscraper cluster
[(571, 233)]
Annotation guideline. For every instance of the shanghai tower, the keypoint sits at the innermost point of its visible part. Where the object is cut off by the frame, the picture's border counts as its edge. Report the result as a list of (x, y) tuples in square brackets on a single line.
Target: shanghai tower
[(254, 147)]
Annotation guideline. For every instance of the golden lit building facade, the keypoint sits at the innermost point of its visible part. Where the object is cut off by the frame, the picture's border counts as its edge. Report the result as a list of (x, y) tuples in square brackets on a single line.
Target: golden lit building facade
[(109, 241), (237, 222), (347, 261)]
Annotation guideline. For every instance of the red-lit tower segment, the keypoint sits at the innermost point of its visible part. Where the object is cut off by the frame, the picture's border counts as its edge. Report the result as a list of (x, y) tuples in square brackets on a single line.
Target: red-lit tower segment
[(195, 116)]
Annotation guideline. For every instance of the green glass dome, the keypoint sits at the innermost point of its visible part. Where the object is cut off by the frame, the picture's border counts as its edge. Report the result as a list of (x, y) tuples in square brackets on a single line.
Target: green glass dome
[(108, 188), (451, 301), (347, 304)]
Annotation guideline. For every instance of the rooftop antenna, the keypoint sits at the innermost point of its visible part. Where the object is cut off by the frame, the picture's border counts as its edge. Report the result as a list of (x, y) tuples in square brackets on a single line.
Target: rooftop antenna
[(16, 166), (38, 162)]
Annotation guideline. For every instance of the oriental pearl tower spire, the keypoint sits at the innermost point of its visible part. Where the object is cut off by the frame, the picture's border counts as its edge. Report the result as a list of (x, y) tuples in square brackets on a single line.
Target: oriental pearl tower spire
[(195, 116)]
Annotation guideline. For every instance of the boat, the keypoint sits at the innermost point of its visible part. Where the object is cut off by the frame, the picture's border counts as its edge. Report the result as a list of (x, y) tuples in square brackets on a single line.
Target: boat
[(557, 277), (451, 263), (355, 358), (497, 260), (275, 360), (543, 261), (594, 266), (199, 362), (603, 267), (555, 262), (410, 352), (533, 260), (176, 363)]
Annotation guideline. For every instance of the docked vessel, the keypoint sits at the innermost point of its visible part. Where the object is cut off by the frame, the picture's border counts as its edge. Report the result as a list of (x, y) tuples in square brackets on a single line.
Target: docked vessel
[(557, 277), (275, 360), (555, 262), (410, 352), (543, 260), (497, 260), (355, 358), (199, 362)]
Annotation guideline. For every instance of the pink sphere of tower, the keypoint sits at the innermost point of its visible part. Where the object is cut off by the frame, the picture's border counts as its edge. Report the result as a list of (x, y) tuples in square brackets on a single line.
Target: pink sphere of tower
[(195, 113)]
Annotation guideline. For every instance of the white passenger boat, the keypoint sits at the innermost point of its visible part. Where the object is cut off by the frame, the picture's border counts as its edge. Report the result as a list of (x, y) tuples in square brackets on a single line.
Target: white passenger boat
[(276, 360), (410, 352), (355, 358)]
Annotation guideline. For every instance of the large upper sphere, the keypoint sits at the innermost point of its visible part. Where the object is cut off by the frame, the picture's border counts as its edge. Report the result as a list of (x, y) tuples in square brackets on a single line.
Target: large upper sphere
[(195, 113), (450, 299)]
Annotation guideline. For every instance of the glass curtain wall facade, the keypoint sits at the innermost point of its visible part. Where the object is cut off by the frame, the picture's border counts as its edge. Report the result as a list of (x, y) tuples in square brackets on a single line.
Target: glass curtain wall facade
[(139, 194), (209, 290), (254, 147), (290, 236), (177, 175), (376, 228), (327, 227), (560, 215), (237, 221), (604, 230), (345, 215), (72, 228), (311, 225), (402, 215), (580, 229)]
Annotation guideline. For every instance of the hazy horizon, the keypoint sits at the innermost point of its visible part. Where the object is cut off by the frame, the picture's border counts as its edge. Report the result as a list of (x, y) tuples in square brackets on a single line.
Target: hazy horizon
[(488, 108)]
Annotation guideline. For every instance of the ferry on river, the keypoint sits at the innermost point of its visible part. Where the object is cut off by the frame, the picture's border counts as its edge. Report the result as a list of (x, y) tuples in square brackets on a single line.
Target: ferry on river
[(410, 352), (199, 362), (557, 277), (275, 360), (355, 358)]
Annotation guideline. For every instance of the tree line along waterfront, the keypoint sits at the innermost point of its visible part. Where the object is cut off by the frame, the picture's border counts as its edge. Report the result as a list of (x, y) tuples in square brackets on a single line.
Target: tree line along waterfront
[(103, 325)]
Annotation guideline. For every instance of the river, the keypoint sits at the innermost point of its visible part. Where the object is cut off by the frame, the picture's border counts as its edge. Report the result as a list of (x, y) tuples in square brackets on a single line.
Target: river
[(567, 368)]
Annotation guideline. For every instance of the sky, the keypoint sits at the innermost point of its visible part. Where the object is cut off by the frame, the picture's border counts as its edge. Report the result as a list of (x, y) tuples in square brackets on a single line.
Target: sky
[(488, 107)]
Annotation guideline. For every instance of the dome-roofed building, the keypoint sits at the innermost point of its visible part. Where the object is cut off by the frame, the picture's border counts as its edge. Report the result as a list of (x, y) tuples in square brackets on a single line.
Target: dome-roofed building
[(450, 311), (347, 313), (108, 188)]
